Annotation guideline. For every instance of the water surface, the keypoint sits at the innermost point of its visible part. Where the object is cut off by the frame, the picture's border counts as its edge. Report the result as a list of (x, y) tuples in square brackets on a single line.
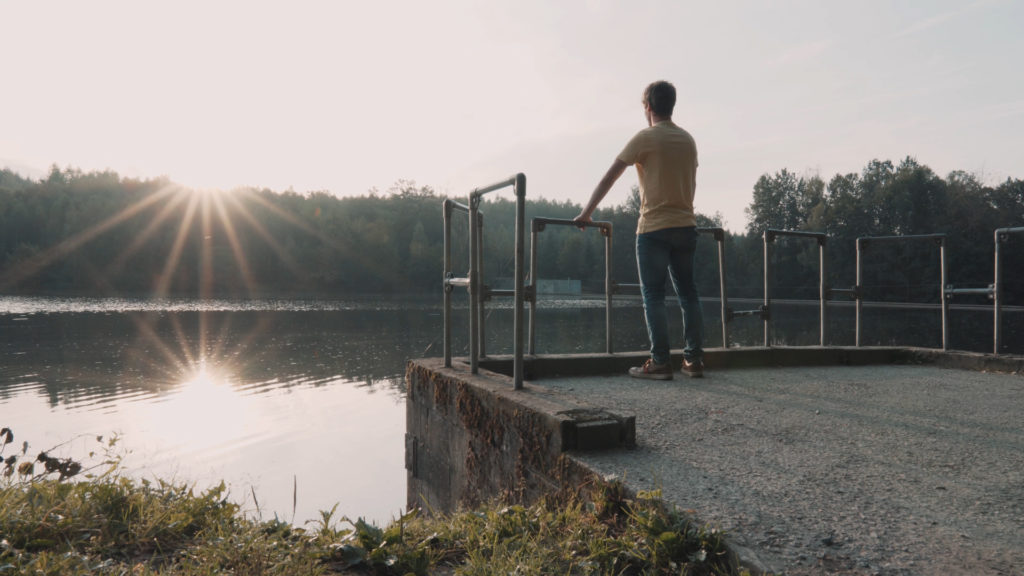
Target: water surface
[(300, 404)]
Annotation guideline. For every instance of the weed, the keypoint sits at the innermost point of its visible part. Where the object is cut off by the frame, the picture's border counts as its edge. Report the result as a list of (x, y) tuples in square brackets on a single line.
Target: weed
[(54, 522)]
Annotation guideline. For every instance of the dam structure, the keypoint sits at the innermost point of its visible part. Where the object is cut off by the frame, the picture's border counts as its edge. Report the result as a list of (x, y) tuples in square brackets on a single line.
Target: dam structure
[(813, 459)]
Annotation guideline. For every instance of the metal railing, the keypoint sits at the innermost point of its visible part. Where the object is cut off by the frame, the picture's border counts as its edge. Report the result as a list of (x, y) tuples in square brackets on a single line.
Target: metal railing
[(862, 245), (727, 313), (994, 290), (1002, 235), (472, 282), (538, 225), (769, 239), (479, 293)]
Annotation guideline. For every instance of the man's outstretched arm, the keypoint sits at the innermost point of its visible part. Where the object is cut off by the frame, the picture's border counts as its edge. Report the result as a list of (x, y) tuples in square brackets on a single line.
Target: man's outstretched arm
[(613, 173)]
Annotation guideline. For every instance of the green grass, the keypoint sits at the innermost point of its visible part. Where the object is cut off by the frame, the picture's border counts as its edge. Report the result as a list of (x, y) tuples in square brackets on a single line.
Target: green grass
[(99, 521)]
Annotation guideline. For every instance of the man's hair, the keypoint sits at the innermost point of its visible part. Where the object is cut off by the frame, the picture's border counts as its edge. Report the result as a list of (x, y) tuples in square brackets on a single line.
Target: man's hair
[(660, 97)]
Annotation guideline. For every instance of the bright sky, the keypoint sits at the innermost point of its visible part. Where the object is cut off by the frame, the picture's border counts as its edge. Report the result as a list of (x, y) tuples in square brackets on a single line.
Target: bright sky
[(347, 96)]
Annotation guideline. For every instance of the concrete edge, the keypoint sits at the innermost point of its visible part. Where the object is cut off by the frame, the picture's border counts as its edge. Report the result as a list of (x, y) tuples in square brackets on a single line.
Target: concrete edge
[(583, 426), (972, 361), (538, 367)]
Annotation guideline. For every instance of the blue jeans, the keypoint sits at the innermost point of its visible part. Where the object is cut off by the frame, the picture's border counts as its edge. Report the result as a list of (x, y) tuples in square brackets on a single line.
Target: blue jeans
[(659, 255)]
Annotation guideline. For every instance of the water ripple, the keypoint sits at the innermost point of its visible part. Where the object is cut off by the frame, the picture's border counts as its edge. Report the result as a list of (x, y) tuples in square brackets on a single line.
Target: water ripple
[(23, 306)]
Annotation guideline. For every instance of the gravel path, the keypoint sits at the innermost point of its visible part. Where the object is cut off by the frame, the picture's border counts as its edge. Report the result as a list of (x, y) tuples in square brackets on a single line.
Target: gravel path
[(890, 470)]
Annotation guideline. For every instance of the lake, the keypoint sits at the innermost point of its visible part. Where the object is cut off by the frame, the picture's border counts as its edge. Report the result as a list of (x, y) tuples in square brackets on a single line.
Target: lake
[(300, 404)]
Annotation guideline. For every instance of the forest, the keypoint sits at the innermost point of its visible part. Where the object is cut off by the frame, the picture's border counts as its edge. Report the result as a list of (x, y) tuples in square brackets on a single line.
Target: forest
[(99, 234)]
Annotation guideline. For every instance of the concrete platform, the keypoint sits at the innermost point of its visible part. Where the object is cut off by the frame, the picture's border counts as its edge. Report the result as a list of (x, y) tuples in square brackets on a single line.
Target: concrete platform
[(815, 460)]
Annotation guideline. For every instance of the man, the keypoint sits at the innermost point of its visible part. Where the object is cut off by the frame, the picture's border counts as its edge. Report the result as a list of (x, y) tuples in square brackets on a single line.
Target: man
[(665, 157)]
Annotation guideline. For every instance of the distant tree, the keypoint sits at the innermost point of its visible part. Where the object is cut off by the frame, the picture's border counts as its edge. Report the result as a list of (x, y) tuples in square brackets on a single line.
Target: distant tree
[(12, 181), (784, 201), (1007, 200), (405, 189), (632, 204)]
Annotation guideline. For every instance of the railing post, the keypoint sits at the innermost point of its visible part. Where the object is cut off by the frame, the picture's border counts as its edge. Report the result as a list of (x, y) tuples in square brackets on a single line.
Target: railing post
[(481, 310), (532, 339), (447, 216), (822, 288), (769, 237), (943, 278), (520, 192), (474, 284), (997, 295), (723, 300), (607, 233), (859, 307)]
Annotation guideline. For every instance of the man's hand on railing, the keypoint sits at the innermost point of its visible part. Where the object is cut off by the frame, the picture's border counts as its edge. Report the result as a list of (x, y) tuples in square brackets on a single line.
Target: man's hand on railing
[(583, 220)]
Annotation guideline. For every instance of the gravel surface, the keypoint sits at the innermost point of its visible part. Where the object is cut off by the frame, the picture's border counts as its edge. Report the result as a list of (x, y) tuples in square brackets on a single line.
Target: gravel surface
[(834, 470)]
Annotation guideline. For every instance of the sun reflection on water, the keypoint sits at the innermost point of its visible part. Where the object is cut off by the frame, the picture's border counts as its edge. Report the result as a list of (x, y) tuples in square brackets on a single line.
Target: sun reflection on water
[(205, 413)]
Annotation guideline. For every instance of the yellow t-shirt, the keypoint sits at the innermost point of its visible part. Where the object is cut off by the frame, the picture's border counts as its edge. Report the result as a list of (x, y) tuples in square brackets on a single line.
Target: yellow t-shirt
[(665, 156)]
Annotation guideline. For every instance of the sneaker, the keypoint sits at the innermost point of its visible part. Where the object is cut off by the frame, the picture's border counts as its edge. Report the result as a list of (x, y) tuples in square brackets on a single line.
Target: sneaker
[(652, 371), (693, 369)]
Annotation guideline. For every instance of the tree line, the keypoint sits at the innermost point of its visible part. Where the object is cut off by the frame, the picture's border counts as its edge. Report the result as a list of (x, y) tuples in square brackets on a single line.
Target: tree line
[(97, 233), (887, 199)]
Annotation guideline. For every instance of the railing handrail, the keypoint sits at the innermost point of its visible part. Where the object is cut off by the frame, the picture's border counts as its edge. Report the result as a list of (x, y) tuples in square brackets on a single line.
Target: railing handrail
[(819, 236), (542, 220), (938, 236)]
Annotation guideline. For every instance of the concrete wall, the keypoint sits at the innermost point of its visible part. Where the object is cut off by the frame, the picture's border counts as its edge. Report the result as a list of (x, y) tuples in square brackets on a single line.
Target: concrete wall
[(472, 438)]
